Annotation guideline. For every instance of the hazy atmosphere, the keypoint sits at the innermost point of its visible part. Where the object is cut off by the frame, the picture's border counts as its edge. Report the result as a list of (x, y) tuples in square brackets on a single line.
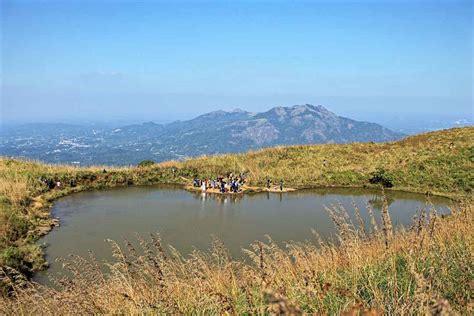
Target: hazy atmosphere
[(390, 62)]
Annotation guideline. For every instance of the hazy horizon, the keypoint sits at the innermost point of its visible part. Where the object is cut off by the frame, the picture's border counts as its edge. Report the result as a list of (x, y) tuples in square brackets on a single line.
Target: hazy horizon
[(119, 61), (377, 115), (403, 124)]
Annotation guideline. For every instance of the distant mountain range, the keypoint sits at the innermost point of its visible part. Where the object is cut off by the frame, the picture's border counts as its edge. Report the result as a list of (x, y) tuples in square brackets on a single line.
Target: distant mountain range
[(211, 133)]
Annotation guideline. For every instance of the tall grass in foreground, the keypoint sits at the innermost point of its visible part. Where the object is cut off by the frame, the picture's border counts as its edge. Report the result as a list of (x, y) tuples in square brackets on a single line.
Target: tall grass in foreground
[(427, 269)]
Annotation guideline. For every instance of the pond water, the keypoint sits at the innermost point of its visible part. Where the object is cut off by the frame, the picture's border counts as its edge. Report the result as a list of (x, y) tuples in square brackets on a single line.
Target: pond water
[(189, 220)]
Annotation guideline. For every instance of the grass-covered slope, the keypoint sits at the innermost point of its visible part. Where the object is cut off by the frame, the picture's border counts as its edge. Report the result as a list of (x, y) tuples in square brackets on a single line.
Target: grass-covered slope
[(439, 162)]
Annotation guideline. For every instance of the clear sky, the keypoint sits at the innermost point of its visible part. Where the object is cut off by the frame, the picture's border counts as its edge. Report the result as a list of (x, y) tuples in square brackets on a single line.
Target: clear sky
[(165, 60)]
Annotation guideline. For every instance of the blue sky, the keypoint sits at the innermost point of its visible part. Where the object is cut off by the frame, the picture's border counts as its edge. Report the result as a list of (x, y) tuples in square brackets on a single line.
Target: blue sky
[(159, 60)]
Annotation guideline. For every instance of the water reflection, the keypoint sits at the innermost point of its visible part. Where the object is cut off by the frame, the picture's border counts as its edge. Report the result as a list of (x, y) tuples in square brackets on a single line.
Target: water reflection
[(377, 201), (218, 198)]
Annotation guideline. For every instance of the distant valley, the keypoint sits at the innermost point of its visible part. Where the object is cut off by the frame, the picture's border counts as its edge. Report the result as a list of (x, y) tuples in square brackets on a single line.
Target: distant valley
[(211, 133)]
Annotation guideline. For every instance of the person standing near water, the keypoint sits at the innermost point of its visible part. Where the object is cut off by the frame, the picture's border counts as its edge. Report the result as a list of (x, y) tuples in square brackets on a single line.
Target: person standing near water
[(222, 186), (268, 183), (281, 185)]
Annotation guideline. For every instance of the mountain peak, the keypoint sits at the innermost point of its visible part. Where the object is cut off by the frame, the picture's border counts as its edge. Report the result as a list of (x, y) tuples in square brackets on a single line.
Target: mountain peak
[(300, 109), (237, 110), (211, 114), (222, 116), (211, 133), (308, 107)]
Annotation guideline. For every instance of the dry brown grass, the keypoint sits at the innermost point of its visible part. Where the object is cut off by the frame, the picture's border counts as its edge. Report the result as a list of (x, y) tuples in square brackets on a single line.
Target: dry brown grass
[(15, 188)]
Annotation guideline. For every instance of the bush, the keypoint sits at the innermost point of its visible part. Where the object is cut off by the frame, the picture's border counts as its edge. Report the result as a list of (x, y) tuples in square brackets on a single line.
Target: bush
[(146, 163), (381, 176), (18, 227), (17, 259)]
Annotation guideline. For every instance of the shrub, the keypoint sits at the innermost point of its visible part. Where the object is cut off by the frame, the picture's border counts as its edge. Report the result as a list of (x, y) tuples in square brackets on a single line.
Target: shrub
[(18, 227), (17, 259), (146, 163), (383, 177)]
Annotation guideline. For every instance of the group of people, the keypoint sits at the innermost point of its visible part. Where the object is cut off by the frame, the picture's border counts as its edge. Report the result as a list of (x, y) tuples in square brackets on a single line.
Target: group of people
[(233, 184), (50, 183), (269, 184), (230, 183)]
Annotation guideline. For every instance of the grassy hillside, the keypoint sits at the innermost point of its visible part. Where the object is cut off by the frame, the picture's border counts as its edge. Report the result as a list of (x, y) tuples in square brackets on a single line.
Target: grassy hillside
[(440, 163)]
